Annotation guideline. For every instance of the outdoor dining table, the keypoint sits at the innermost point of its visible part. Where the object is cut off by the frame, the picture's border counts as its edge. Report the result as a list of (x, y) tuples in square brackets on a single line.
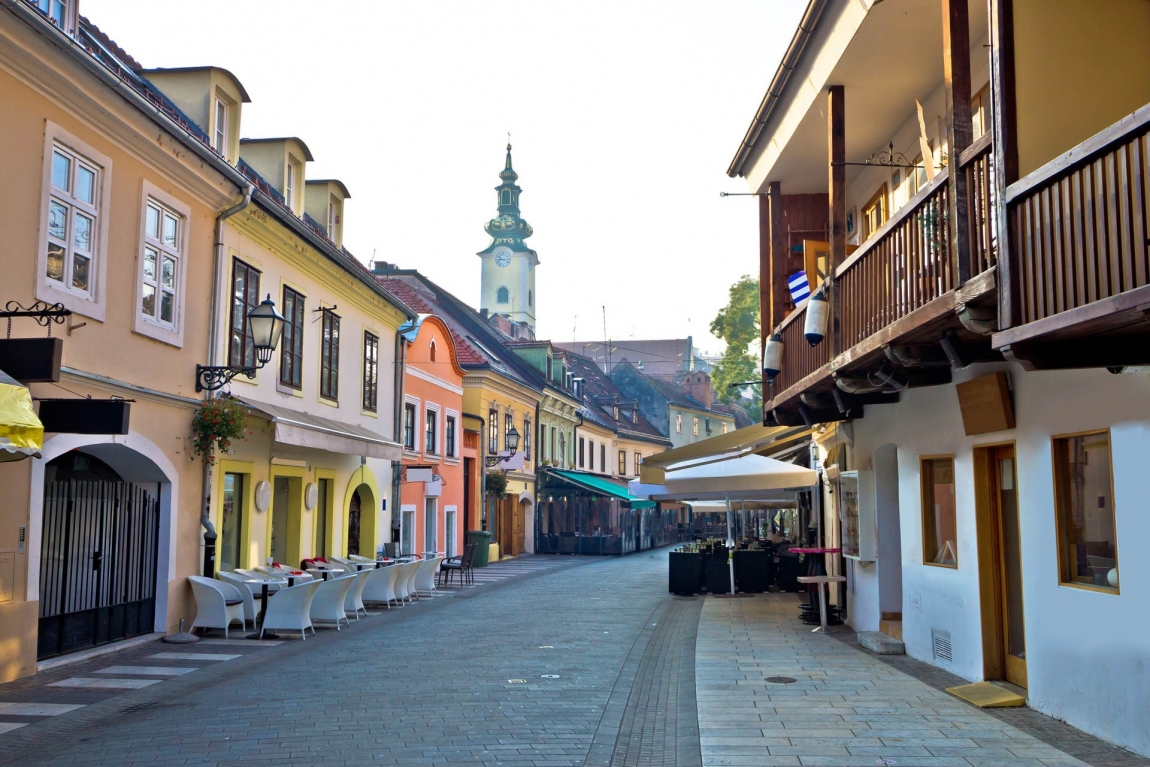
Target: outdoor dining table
[(266, 590), (819, 581)]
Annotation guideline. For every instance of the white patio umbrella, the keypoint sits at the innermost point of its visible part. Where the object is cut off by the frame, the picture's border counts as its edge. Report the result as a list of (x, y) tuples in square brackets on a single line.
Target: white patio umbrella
[(745, 478)]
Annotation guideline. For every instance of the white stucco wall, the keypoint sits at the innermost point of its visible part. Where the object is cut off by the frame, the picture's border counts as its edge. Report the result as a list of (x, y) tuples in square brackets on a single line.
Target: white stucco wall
[(1088, 656)]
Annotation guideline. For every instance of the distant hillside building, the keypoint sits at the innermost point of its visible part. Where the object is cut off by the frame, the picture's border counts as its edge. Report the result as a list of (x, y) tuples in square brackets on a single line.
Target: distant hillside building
[(664, 359)]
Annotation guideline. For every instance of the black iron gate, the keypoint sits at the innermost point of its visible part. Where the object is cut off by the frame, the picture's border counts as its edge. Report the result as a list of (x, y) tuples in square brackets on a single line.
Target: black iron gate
[(97, 565)]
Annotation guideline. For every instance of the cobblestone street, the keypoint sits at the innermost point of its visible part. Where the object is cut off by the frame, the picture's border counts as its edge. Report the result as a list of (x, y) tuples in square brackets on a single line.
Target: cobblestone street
[(565, 661)]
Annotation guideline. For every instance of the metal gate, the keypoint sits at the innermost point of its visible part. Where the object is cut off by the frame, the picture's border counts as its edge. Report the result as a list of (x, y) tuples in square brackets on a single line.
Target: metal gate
[(97, 565)]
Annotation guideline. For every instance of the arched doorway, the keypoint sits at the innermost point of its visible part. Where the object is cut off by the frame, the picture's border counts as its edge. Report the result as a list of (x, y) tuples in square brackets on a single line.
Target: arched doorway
[(99, 548), (354, 520)]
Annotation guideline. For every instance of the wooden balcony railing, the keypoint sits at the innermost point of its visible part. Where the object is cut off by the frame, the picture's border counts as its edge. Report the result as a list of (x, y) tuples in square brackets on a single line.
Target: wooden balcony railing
[(800, 359), (978, 163), (1078, 225), (901, 267), (904, 266)]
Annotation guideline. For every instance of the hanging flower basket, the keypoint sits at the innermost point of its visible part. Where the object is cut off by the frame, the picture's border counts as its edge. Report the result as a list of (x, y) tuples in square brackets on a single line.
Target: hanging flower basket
[(496, 485), (215, 425)]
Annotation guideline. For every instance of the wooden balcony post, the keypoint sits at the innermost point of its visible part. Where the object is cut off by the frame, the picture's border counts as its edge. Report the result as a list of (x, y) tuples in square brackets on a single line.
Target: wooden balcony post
[(1004, 119), (836, 128), (780, 257), (959, 132)]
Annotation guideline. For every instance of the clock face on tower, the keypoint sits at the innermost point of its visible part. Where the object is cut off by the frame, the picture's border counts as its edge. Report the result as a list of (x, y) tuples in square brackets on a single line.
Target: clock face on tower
[(503, 257)]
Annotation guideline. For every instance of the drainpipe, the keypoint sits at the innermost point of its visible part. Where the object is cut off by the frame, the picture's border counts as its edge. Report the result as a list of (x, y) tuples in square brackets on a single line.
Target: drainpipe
[(397, 466), (210, 534), (482, 469)]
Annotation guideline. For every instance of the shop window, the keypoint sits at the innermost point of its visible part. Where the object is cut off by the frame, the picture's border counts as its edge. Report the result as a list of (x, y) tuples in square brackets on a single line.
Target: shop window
[(939, 524), (1084, 503)]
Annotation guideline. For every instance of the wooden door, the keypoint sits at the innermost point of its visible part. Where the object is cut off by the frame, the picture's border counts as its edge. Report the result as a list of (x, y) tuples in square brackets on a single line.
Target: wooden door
[(1000, 566), (518, 512)]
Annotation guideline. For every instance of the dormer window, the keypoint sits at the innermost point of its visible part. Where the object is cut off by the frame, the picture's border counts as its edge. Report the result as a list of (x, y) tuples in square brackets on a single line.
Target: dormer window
[(220, 136), (289, 186), (634, 416), (56, 10), (615, 413), (332, 219)]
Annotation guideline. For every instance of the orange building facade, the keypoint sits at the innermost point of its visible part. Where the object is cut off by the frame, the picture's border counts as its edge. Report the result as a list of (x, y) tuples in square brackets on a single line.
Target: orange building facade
[(432, 507)]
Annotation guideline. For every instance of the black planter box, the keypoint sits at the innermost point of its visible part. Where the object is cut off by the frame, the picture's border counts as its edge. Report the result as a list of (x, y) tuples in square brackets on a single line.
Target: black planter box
[(752, 571), (685, 573), (718, 576)]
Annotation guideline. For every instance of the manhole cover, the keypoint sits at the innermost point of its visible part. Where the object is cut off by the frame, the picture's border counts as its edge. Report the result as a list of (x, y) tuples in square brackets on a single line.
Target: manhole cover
[(516, 681), (548, 676), (781, 680)]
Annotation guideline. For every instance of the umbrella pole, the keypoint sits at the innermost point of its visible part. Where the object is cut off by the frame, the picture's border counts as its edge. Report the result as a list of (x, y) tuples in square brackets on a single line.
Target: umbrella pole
[(730, 547)]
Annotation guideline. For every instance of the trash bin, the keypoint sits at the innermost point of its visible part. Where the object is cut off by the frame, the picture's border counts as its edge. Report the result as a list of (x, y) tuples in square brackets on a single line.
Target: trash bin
[(482, 540)]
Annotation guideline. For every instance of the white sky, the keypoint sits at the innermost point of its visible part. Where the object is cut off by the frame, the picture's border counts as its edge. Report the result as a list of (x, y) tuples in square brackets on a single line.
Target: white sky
[(624, 116)]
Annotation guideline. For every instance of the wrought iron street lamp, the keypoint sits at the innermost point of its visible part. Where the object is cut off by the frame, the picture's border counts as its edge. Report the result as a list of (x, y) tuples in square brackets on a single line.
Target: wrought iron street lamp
[(492, 461), (266, 326)]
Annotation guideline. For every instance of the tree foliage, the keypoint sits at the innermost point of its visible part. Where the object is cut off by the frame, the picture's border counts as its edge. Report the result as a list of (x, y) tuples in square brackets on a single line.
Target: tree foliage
[(738, 324)]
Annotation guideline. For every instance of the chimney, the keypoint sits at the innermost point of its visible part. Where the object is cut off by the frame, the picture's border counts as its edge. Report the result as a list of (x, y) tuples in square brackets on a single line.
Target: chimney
[(697, 384)]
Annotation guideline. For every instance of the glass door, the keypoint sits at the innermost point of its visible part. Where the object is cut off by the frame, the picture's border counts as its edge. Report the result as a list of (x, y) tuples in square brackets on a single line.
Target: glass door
[(449, 532), (231, 527), (430, 517), (405, 534), (1010, 551)]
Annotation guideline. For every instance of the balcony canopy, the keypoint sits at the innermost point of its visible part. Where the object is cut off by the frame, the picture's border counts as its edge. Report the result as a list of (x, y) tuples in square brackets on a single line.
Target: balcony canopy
[(747, 477)]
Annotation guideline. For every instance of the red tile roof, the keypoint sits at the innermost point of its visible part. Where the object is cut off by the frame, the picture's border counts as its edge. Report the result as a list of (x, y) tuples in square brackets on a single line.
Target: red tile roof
[(422, 303)]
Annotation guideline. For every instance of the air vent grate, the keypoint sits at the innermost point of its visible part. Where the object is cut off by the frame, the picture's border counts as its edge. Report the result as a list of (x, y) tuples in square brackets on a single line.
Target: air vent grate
[(943, 650)]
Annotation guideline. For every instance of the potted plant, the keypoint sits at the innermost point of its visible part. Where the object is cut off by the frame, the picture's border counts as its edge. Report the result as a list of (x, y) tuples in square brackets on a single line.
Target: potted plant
[(215, 425)]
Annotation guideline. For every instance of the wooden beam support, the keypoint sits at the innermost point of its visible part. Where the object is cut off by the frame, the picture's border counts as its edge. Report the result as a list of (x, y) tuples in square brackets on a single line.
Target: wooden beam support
[(1117, 352), (1005, 120), (837, 203), (780, 257), (959, 132)]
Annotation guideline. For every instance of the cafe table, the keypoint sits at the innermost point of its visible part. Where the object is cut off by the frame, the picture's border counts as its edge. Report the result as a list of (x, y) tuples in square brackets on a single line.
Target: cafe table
[(820, 581)]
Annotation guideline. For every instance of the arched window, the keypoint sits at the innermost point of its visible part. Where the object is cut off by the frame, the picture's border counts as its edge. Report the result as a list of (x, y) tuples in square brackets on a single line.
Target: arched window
[(432, 350), (502, 296), (529, 297), (506, 197)]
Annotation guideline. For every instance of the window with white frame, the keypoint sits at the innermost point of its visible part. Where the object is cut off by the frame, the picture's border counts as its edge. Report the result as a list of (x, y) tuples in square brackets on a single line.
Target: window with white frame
[(432, 432), (695, 426), (289, 185), (73, 220), (678, 423), (55, 10), (220, 136), (449, 436), (409, 415), (163, 241)]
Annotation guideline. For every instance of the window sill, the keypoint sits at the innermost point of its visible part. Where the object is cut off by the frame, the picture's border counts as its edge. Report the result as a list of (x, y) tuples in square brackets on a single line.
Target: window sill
[(368, 413), (287, 389), (329, 402), (92, 308), (940, 566), (156, 332), (1091, 587)]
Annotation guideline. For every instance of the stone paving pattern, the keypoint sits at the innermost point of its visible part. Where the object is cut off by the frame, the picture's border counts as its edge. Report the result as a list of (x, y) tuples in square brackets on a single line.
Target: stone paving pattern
[(559, 661), (846, 708)]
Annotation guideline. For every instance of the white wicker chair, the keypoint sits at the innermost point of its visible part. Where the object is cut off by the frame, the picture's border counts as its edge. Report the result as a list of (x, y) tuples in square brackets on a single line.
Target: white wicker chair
[(213, 610), (241, 582), (290, 609), (329, 600), (425, 576), (413, 569), (379, 587), (353, 602), (402, 578)]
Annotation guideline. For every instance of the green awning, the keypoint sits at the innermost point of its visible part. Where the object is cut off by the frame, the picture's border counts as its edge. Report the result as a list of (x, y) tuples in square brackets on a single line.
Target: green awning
[(603, 486)]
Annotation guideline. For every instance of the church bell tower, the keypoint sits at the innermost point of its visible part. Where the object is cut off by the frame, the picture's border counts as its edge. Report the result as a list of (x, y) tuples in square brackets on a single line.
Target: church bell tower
[(508, 284)]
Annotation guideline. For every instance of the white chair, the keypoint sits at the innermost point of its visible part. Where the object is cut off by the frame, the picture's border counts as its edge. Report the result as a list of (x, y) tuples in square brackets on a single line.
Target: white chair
[(402, 579), (412, 574), (425, 576), (358, 558), (244, 587), (290, 609), (390, 584), (329, 599), (354, 599), (379, 586), (217, 604)]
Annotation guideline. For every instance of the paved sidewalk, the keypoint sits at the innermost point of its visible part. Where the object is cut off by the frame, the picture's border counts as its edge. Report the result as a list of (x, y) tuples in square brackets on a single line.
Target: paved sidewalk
[(845, 708)]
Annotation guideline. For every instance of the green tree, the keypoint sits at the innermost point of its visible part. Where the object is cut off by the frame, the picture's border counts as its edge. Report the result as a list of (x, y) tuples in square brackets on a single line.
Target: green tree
[(738, 324)]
